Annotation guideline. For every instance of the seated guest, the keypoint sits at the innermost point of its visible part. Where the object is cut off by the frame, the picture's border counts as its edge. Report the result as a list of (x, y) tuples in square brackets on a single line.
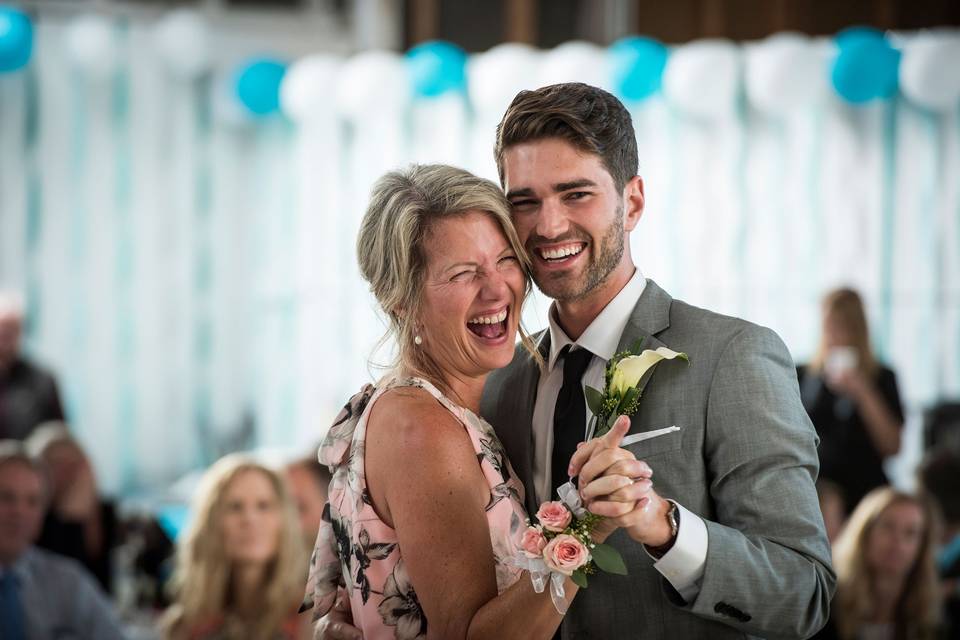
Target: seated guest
[(939, 476), (852, 400), (43, 596), (242, 567), (79, 523), (886, 577), (28, 394), (308, 481)]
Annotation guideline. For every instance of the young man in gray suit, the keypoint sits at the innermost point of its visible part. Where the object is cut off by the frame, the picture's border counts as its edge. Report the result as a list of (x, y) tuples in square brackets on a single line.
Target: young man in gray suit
[(729, 541)]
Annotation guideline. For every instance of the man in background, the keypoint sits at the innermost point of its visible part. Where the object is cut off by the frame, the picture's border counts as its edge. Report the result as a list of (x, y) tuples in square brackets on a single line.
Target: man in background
[(308, 481), (28, 394), (42, 595)]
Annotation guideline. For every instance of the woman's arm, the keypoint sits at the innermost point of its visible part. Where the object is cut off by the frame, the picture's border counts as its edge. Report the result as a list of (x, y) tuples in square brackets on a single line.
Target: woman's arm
[(424, 480), (883, 427)]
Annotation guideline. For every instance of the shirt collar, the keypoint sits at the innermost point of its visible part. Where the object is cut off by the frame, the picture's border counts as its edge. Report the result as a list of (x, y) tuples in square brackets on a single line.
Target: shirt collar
[(20, 567), (602, 336)]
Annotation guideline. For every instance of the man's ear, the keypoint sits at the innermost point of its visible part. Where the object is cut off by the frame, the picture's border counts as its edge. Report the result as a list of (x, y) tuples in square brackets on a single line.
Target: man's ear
[(633, 202)]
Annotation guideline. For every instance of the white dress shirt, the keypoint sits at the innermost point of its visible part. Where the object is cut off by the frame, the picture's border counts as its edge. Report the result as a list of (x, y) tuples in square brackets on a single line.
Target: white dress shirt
[(683, 565)]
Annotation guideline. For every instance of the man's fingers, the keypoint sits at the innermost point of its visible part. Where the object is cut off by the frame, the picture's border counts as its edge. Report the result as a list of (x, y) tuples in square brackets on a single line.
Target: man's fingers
[(611, 439)]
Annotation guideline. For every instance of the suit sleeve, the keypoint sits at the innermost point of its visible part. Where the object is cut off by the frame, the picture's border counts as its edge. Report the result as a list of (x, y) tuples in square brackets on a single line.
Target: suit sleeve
[(768, 569)]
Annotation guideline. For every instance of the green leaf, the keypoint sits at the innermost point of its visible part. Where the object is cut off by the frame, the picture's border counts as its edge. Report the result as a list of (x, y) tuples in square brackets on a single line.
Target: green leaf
[(628, 398), (594, 399), (608, 559), (635, 347), (579, 578)]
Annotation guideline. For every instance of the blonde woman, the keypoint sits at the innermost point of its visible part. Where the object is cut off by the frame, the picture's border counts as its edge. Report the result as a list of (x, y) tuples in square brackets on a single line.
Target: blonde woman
[(852, 400), (425, 513), (240, 570), (886, 576)]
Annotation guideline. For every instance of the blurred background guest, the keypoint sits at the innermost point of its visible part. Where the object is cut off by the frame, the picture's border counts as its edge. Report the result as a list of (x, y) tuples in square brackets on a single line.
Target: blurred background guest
[(79, 523), (241, 569), (852, 400), (28, 393), (939, 476), (43, 596), (308, 481), (887, 583), (832, 507)]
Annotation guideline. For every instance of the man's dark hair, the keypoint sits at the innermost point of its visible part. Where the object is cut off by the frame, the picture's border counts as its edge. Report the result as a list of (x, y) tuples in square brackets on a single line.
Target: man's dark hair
[(939, 475), (590, 119)]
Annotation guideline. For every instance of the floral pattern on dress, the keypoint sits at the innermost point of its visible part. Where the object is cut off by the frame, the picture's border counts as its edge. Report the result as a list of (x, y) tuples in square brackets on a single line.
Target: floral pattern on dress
[(359, 552), (400, 607)]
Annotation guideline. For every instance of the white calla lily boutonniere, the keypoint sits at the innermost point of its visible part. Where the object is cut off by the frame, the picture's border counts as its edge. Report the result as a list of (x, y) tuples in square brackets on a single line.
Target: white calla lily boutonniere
[(622, 390)]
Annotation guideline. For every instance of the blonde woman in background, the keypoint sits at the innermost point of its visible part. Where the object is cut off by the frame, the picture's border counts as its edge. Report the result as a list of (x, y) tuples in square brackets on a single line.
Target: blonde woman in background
[(887, 586), (241, 569), (852, 400)]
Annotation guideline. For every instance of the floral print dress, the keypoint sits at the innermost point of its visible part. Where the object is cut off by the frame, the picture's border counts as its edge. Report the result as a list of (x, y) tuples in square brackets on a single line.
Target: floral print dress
[(356, 550)]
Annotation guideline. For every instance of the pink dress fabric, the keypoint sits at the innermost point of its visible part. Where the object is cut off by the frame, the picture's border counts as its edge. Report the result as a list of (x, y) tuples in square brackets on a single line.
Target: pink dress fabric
[(357, 551)]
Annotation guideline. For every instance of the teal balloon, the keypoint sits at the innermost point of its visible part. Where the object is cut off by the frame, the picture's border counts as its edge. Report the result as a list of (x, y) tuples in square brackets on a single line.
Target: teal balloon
[(436, 68), (16, 39), (637, 65), (866, 69), (258, 85), (859, 33)]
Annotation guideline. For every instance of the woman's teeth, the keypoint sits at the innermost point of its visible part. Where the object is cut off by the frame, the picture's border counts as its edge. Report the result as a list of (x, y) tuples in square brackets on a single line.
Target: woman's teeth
[(491, 319), (561, 252), (489, 326)]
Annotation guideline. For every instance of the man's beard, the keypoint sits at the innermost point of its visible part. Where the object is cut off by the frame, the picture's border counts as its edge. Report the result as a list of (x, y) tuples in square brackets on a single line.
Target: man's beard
[(603, 260)]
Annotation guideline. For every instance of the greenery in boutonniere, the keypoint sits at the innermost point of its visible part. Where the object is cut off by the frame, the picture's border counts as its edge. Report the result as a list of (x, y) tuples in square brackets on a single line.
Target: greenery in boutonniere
[(622, 388)]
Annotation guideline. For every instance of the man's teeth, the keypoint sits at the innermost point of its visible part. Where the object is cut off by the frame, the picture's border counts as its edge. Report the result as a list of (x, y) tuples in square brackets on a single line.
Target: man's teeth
[(561, 252), (494, 319)]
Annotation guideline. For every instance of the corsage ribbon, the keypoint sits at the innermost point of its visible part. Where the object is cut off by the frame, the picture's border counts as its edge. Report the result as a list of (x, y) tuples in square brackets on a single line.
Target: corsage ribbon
[(539, 575), (571, 498)]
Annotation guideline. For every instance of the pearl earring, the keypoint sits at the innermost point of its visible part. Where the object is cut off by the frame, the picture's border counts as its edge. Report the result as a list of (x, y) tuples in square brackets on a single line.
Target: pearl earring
[(417, 340)]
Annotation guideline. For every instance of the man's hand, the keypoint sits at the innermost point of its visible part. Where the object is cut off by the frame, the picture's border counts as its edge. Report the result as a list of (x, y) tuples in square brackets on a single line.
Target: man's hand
[(337, 624), (613, 483)]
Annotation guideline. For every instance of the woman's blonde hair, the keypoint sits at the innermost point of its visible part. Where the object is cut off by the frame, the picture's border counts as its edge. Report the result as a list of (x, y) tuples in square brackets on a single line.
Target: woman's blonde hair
[(846, 307), (918, 609), (404, 206), (202, 581)]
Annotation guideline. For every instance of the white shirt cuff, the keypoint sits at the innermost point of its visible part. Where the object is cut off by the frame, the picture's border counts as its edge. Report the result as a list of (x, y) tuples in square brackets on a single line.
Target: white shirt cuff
[(683, 565)]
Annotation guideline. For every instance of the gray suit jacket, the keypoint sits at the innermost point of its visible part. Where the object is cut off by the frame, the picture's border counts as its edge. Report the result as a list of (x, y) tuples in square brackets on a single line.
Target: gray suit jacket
[(745, 460)]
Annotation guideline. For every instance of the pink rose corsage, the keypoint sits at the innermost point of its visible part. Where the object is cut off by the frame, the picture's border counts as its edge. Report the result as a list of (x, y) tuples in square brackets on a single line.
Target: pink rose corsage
[(560, 545)]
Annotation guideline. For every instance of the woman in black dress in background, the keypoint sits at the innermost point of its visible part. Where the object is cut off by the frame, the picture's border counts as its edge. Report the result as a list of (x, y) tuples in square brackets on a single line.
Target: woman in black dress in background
[(852, 400)]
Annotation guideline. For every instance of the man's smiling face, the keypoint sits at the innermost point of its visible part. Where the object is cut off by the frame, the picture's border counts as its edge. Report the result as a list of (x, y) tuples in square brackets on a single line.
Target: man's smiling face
[(568, 213)]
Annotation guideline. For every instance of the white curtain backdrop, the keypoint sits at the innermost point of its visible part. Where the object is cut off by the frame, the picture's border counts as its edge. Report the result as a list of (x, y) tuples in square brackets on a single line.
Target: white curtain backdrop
[(191, 277)]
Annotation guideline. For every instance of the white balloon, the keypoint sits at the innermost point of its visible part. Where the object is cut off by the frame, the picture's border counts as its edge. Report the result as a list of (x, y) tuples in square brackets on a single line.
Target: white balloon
[(91, 45), (496, 76), (182, 38), (307, 86), (575, 61), (372, 81), (929, 75), (702, 78), (786, 72)]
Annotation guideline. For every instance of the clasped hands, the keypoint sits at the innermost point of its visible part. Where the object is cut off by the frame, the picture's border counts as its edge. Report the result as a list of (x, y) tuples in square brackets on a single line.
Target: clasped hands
[(614, 484)]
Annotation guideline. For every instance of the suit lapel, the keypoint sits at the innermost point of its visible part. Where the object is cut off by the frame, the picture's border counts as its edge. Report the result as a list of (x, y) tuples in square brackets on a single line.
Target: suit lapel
[(518, 437), (651, 316)]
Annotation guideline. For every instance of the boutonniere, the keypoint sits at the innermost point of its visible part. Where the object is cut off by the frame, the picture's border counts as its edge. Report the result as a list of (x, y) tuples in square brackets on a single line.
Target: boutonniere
[(622, 388)]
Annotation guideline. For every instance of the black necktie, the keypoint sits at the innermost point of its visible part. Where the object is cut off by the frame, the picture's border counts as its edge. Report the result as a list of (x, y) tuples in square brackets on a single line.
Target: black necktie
[(569, 415)]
